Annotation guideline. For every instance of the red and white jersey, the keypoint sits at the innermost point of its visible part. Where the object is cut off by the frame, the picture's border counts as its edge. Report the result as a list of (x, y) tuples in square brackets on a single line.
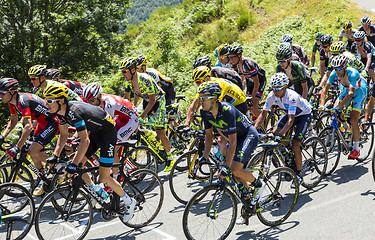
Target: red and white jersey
[(119, 108)]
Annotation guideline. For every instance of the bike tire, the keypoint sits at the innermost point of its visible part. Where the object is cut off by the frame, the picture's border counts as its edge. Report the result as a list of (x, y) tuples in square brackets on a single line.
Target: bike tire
[(279, 199), (332, 142), (198, 225), (51, 224), (366, 141), (149, 194), (143, 157), (20, 211), (24, 176)]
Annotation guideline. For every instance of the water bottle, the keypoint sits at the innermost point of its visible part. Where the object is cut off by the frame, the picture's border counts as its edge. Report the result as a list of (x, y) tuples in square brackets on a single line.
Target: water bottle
[(215, 150), (103, 194), (151, 135), (349, 133)]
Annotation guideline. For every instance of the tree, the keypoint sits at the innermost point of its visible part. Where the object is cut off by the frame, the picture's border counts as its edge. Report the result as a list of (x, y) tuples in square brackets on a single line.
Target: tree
[(167, 44), (75, 36)]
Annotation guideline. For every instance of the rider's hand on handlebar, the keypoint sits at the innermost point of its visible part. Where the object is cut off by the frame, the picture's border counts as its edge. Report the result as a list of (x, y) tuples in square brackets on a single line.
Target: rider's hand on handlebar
[(12, 152), (52, 160), (223, 171)]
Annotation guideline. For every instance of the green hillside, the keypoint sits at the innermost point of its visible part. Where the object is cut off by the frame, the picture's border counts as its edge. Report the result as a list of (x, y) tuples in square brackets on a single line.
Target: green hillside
[(173, 37)]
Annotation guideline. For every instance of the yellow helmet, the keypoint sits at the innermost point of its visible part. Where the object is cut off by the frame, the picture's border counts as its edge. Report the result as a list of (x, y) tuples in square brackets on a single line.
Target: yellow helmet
[(337, 48), (128, 63), (37, 70), (141, 60), (56, 91), (347, 25), (200, 73)]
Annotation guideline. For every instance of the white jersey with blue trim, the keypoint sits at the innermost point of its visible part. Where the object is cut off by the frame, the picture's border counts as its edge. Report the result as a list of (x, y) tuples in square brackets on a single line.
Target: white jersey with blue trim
[(292, 102)]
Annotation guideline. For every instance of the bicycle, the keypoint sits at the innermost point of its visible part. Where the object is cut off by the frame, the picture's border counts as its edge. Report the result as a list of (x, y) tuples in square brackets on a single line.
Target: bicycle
[(339, 141), (314, 158), (211, 213), (17, 211), (68, 211)]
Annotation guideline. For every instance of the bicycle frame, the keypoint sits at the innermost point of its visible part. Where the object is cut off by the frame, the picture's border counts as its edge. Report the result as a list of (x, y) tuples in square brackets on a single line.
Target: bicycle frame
[(335, 127)]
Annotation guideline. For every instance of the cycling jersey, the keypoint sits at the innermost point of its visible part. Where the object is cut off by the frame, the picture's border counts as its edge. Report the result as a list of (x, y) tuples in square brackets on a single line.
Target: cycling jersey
[(228, 74), (368, 51), (299, 75), (324, 57), (350, 38), (147, 86), (34, 107), (316, 47), (371, 36), (98, 123), (250, 69), (219, 64), (301, 53), (72, 96), (165, 83), (355, 81), (230, 92), (124, 114), (294, 103), (76, 87), (228, 121)]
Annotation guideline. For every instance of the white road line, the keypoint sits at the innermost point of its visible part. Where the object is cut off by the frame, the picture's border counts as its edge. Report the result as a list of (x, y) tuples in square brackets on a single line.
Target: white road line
[(168, 237)]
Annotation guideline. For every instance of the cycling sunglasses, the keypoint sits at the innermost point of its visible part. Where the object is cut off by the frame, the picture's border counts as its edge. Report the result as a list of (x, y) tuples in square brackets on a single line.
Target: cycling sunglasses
[(233, 57), (325, 46), (283, 61), (199, 82), (205, 98), (357, 40), (34, 78), (339, 69), (125, 70), (277, 89), (223, 57), (50, 101), (91, 100)]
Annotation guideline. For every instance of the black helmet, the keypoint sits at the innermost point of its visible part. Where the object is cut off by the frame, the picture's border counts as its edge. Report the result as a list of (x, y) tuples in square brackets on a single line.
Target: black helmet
[(53, 73), (8, 84), (326, 40), (365, 20), (210, 88), (202, 61), (283, 53), (235, 50)]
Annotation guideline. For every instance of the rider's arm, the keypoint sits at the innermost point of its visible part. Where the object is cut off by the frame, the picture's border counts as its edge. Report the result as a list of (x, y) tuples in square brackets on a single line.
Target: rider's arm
[(208, 138), (322, 68), (231, 149), (192, 109), (368, 63), (12, 123), (305, 89), (28, 127), (260, 119), (84, 143), (150, 104), (62, 139), (324, 93), (324, 79), (127, 95), (288, 125), (313, 59)]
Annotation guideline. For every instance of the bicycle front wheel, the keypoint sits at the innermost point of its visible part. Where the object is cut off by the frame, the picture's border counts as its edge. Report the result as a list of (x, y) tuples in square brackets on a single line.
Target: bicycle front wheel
[(149, 194), (332, 142), (279, 199), (23, 177), (56, 218), (18, 211), (210, 214), (314, 161), (142, 157)]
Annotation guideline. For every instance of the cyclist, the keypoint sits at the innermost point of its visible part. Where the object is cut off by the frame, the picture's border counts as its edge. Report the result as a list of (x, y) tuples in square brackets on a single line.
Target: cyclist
[(316, 47), (30, 107), (253, 76), (368, 28), (348, 33), (297, 73), (241, 135), (355, 89), (121, 110), (367, 52), (299, 115), (221, 53), (37, 75), (164, 82), (231, 92), (153, 102), (96, 130), (296, 49), (324, 53), (219, 72), (54, 74)]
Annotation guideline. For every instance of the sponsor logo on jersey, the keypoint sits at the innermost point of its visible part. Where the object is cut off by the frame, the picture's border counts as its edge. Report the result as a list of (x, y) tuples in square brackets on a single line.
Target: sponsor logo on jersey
[(46, 132), (41, 109), (220, 124)]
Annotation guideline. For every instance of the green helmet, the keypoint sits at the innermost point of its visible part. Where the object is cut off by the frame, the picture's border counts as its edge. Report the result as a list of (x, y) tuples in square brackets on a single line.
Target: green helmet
[(210, 88), (283, 53)]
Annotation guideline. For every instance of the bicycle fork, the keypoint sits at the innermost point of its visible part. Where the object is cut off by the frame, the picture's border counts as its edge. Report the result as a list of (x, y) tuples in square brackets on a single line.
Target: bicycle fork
[(215, 203)]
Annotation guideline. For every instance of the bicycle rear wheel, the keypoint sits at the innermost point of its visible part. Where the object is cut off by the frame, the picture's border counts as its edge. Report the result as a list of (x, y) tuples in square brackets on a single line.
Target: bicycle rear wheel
[(279, 199), (184, 182), (213, 216), (314, 161), (24, 176), (142, 157), (149, 194), (54, 220), (332, 143), (366, 140), (18, 211)]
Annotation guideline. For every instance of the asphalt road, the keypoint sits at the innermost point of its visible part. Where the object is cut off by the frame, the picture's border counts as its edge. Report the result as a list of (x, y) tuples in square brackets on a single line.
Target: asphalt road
[(340, 207), (368, 5)]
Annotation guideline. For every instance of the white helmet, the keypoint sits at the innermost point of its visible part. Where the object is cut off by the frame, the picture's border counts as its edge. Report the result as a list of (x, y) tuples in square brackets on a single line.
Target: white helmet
[(279, 80), (91, 91)]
